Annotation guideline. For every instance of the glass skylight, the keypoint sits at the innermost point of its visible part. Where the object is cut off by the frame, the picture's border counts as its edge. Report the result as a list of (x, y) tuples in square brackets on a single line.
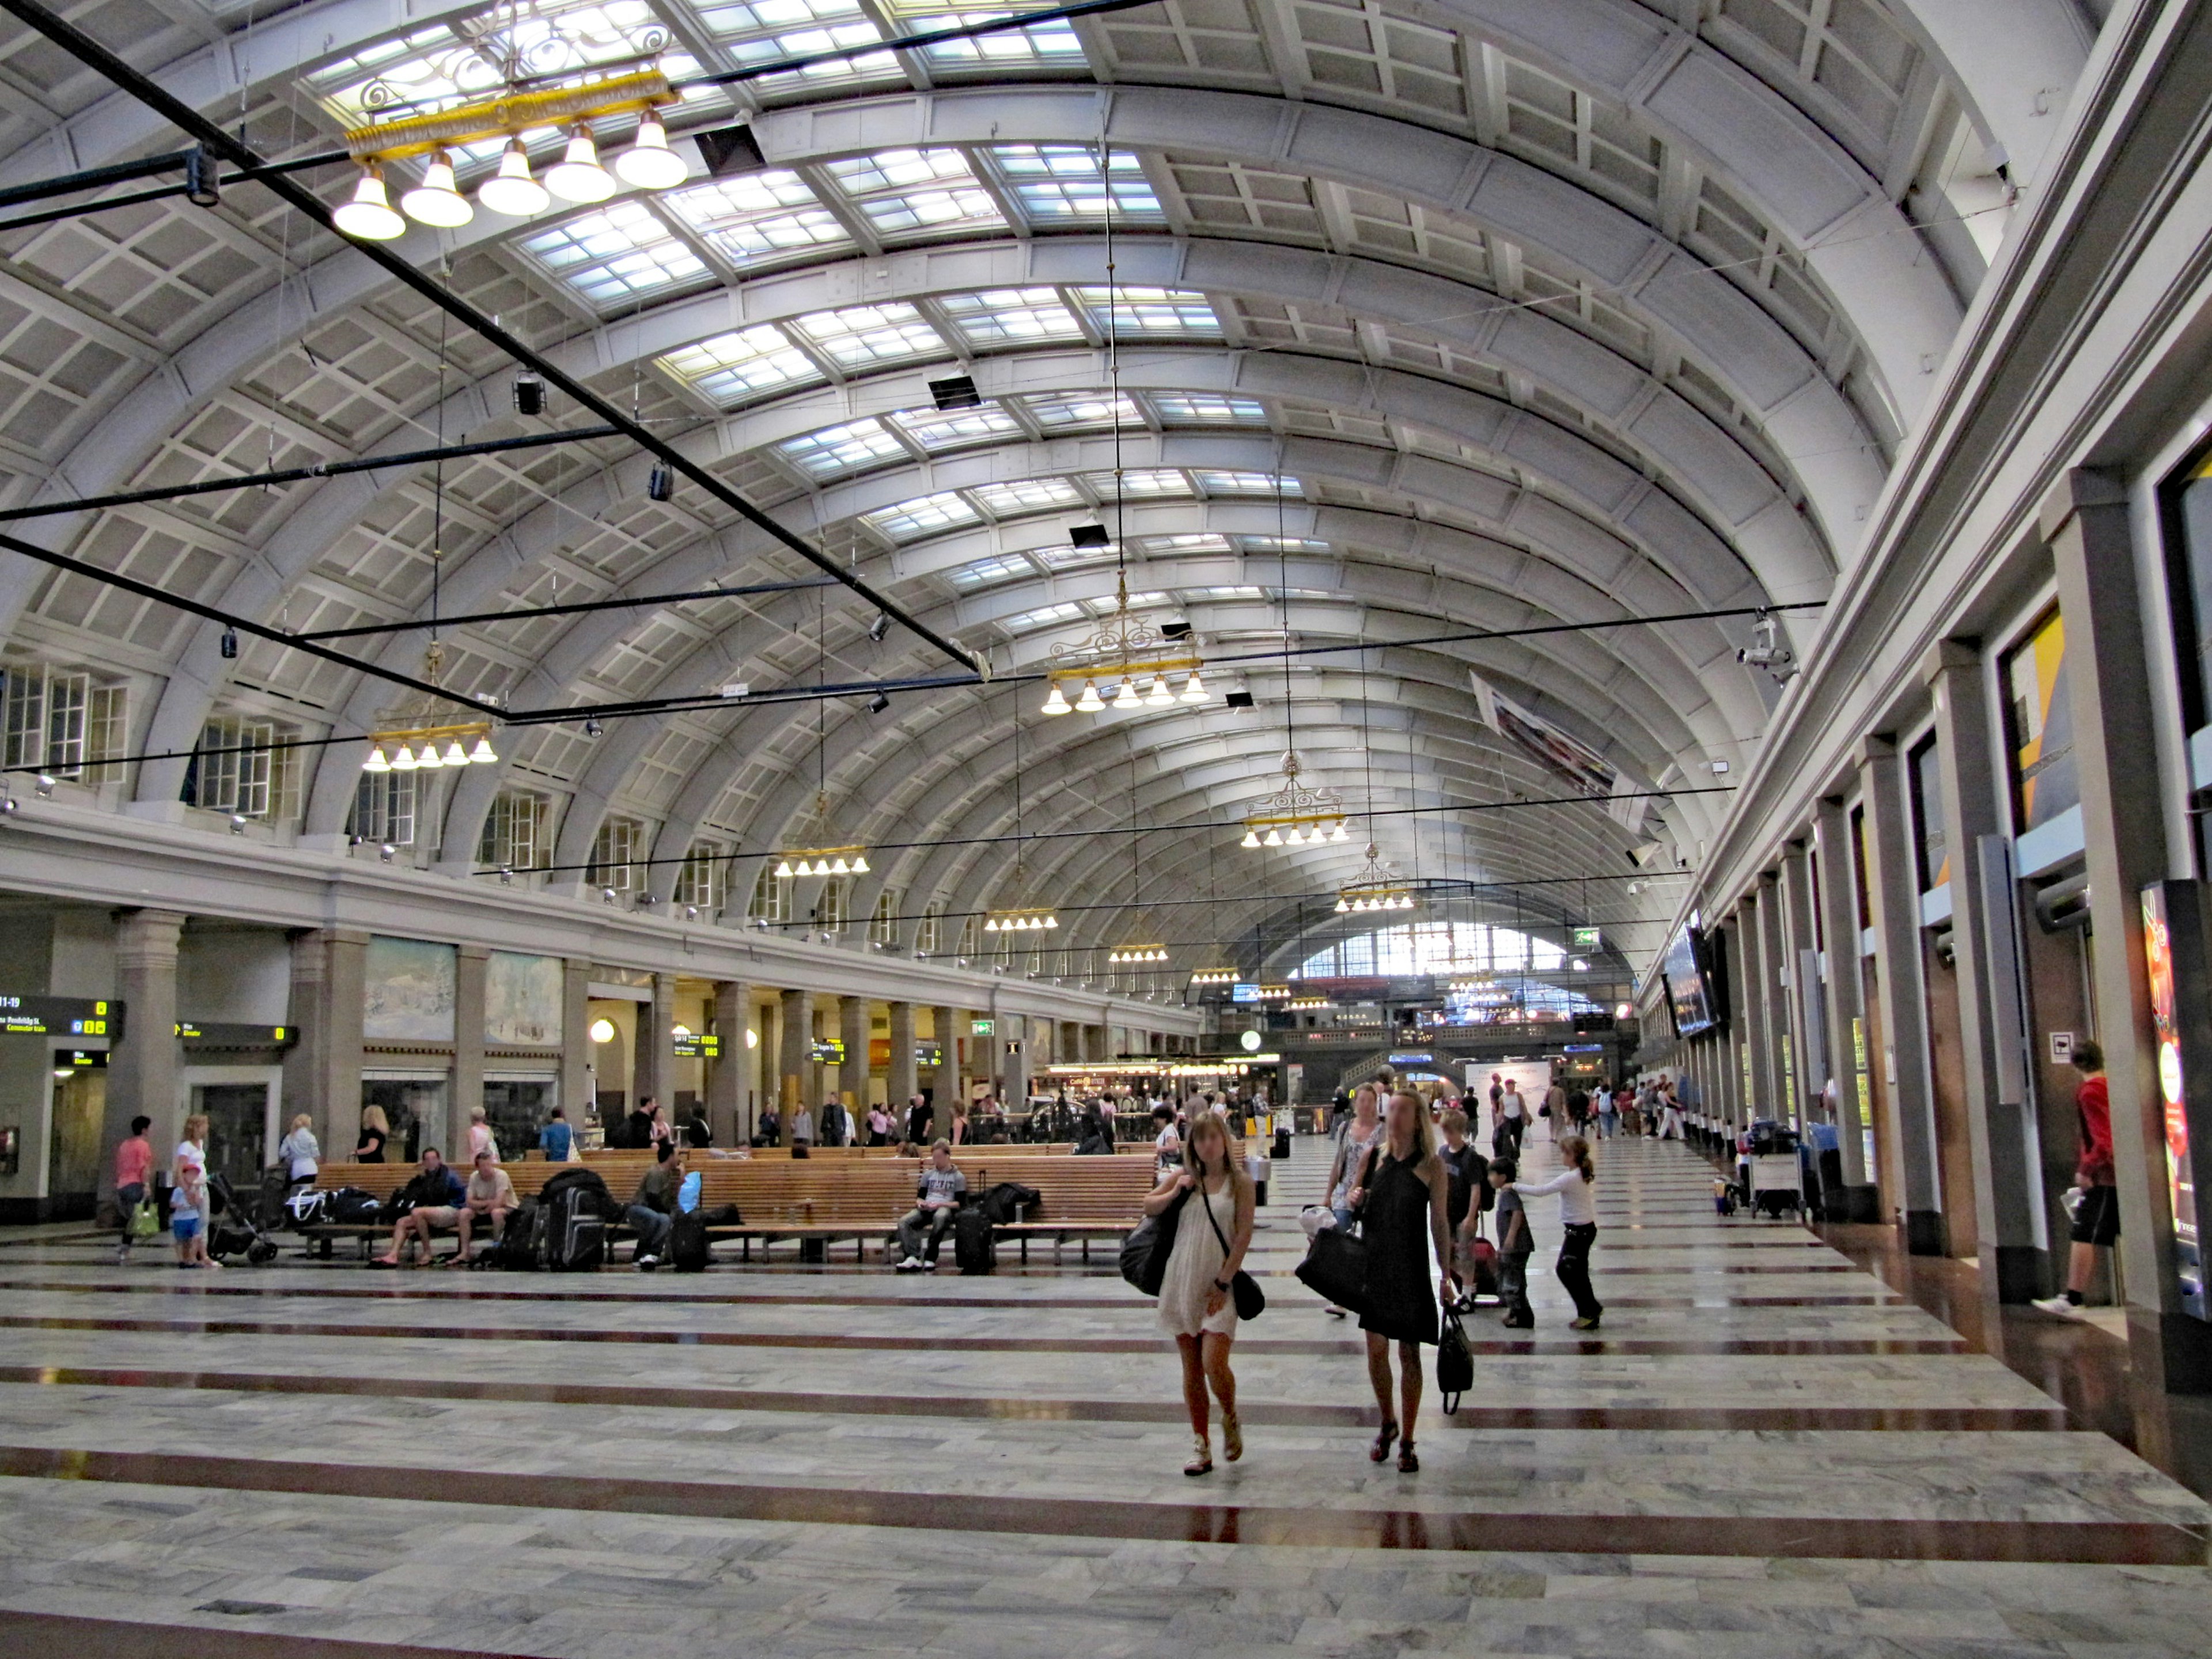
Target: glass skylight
[(1047, 44), (1080, 409), (1011, 316), (1219, 482), (836, 449), (615, 253), (760, 31), (1280, 545), (1200, 541), (1222, 594), (1139, 482), (937, 429), (1137, 602), (733, 367), (1069, 557), (922, 516), (1200, 408), (1043, 616), (1149, 311), (1063, 183), (903, 190), (859, 337), (1005, 501), (1000, 566), (757, 216)]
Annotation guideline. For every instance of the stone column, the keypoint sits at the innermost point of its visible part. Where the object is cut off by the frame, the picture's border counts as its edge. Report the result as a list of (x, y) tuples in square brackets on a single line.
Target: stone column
[(1762, 950), (576, 1072), (339, 1016), (797, 1035), (467, 1091), (1013, 1070), (653, 1065), (944, 1083), (898, 1078), (142, 1068), (302, 1061), (1894, 894), (1809, 1044), (1838, 902), (726, 1074), (2116, 757), (853, 1026), (2005, 1210)]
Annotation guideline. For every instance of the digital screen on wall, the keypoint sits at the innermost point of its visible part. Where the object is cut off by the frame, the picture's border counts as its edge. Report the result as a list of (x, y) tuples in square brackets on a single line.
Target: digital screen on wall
[(1689, 996), (2180, 1169)]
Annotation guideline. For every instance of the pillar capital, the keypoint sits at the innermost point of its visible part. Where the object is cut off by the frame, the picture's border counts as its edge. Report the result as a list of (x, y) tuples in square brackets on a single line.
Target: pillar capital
[(1947, 657), (2080, 489)]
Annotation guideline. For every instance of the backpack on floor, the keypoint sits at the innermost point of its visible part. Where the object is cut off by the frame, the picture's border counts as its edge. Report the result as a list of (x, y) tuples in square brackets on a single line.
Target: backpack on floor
[(687, 1242), (973, 1251), (520, 1246)]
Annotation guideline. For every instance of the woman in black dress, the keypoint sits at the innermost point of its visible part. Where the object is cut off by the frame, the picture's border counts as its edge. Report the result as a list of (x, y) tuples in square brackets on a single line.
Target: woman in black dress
[(1401, 1199), (375, 1130)]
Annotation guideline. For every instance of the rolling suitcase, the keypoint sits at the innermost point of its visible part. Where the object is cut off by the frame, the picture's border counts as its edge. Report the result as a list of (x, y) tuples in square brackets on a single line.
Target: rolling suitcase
[(973, 1251)]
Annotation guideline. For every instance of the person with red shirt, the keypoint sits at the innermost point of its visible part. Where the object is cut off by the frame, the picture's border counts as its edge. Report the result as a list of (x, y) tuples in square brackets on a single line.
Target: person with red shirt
[(2097, 1218), (134, 1176)]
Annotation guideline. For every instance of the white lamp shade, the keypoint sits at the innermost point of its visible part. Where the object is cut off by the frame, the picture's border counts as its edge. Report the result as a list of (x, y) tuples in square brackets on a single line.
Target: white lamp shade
[(430, 760), (1089, 703), (1161, 696), (405, 760), (376, 761), (1251, 839), (841, 868), (1127, 698), (577, 176), (1273, 838), (481, 754), (1054, 702), (438, 200), (369, 217), (1194, 690), (1052, 921), (455, 755), (860, 864), (511, 191), (783, 869), (649, 163)]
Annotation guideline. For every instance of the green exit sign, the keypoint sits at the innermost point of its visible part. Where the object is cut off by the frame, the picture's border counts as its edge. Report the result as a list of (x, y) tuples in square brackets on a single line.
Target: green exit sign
[(979, 1027), (1587, 938)]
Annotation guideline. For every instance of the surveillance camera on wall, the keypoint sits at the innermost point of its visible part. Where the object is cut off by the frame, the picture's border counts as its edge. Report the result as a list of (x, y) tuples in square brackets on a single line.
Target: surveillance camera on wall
[(1765, 651)]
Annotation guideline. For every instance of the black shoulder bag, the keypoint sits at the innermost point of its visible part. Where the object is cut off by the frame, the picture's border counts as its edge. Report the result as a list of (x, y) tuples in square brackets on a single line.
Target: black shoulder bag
[(1145, 1251), (1335, 1267), (1243, 1290)]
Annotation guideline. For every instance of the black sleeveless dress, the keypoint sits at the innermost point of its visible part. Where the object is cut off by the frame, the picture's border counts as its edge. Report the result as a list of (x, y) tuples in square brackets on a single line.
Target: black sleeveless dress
[(1401, 1298)]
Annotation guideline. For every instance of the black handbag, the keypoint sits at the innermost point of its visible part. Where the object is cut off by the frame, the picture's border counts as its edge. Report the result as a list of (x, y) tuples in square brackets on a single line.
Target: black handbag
[(1243, 1290), (1454, 1363), (1335, 1269), (1145, 1251)]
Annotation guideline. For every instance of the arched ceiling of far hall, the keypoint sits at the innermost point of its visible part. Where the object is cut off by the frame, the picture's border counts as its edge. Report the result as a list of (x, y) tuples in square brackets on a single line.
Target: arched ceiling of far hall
[(1544, 312)]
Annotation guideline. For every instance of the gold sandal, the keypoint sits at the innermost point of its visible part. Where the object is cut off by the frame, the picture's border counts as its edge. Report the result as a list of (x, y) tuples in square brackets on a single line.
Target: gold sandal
[(1232, 1436), (1201, 1460)]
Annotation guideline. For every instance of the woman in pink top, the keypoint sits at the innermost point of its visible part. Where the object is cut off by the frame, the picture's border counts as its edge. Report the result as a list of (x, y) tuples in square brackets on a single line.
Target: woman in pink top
[(134, 1176)]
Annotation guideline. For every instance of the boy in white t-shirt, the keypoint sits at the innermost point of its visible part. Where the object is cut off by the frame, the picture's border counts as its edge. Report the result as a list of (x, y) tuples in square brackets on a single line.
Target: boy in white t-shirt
[(188, 1199)]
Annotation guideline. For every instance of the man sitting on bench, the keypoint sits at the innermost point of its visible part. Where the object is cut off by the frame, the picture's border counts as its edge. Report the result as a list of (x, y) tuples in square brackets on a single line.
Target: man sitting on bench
[(651, 1212), (938, 1192), (491, 1197), (436, 1196)]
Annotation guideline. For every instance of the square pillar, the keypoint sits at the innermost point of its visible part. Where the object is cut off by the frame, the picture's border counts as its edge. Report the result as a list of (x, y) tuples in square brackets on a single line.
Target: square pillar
[(1808, 1046), (467, 1092), (142, 1067), (726, 1074), (944, 1083), (578, 1076), (852, 1028), (2085, 521), (797, 1035), (338, 1015), (1770, 1071), (652, 1066), (2007, 1213), (898, 1079), (1839, 901), (1893, 889)]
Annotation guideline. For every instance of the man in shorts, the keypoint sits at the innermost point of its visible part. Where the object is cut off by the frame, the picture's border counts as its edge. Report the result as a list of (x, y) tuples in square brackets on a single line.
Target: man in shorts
[(436, 1196), (490, 1197), (2097, 1218)]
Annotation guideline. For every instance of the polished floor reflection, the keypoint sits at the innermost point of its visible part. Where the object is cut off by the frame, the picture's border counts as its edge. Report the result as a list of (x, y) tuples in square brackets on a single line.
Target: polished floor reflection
[(1768, 1449)]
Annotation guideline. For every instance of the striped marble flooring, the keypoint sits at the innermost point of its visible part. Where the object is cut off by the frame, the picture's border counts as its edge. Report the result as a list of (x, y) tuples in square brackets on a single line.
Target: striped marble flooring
[(1765, 1451)]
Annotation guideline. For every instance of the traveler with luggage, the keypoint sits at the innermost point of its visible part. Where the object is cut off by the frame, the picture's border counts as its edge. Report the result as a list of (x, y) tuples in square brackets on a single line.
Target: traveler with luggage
[(1608, 1113), (921, 1230), (1361, 1132), (488, 1197), (654, 1204), (134, 1183), (1401, 1199), (1577, 1185), (432, 1198), (1197, 1304)]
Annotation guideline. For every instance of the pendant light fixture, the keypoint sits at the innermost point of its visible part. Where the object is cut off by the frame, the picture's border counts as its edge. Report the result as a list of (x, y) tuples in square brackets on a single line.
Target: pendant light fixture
[(649, 163), (846, 861), (438, 201), (369, 217), (577, 176), (513, 191)]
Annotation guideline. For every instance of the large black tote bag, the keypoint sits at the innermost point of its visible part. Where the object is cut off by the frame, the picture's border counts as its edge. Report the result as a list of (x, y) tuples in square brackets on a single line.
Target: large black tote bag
[(1335, 1269), (1145, 1252)]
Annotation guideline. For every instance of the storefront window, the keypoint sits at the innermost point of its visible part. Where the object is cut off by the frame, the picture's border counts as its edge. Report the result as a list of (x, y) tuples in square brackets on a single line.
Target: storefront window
[(2188, 541), (1926, 772), (2039, 727)]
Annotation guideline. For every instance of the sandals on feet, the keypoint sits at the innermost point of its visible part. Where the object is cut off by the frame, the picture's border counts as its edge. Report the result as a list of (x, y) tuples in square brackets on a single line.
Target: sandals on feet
[(1232, 1436), (1380, 1448), (1408, 1463), (1202, 1459)]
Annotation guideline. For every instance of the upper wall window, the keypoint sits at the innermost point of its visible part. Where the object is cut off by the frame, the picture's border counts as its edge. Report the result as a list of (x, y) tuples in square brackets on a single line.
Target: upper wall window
[(2188, 503), (60, 721), (2040, 726), (1924, 771)]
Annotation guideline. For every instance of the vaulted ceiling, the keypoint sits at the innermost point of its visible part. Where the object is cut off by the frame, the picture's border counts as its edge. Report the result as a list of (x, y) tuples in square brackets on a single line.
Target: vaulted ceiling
[(1429, 319)]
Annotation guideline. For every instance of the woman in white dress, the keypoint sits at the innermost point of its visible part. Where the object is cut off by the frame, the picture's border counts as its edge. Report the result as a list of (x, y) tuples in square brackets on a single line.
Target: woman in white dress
[(1212, 1232)]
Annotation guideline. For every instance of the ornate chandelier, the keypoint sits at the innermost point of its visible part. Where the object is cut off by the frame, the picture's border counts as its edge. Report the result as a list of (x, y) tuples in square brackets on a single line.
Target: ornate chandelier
[(1295, 816), (420, 735), (847, 860), (1124, 652), (1028, 920), (1374, 888), (1214, 976), (1129, 953)]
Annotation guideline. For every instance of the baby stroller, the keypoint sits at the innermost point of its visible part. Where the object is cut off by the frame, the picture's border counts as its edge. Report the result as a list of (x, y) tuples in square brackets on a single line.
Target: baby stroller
[(234, 1228)]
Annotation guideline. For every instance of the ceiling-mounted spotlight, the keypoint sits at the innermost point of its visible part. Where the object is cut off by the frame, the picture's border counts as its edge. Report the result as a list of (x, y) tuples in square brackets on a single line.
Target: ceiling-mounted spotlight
[(506, 876), (44, 784), (659, 484), (955, 392), (529, 393), (646, 901), (592, 728), (203, 180), (238, 823), (1720, 769), (607, 895), (691, 913), (878, 704), (7, 805), (387, 852), (880, 626), (1237, 700)]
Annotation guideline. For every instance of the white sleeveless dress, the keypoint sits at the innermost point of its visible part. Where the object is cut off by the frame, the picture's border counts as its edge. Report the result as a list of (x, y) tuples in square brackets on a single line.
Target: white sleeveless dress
[(1195, 1263)]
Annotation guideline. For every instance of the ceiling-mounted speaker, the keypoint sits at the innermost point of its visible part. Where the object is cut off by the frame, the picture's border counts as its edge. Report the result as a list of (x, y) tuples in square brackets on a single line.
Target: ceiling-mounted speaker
[(1237, 700), (727, 150), (1175, 631), (1088, 535), (956, 391)]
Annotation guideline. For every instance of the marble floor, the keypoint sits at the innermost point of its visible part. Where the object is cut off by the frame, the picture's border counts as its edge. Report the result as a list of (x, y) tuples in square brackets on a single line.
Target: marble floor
[(1767, 1450)]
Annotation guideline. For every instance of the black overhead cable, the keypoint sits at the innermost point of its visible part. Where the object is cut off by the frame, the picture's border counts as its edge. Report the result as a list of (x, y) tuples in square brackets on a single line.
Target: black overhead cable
[(189, 120), (576, 609)]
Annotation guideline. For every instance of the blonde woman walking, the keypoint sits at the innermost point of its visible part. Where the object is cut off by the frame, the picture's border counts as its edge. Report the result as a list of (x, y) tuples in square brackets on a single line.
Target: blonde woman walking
[(1212, 1232)]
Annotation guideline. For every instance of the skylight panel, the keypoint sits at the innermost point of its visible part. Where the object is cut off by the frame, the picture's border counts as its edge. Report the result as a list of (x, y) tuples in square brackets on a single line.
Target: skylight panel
[(1151, 312), (1063, 183), (1137, 602), (903, 190), (938, 430), (1205, 409), (615, 253), (1065, 557), (1221, 483), (1043, 616), (998, 567), (1066, 413), (757, 34), (1011, 316), (733, 367), (1189, 593), (1201, 541), (757, 217), (1281, 545), (1154, 482), (859, 337), (838, 449), (1045, 45), (1004, 500), (924, 515)]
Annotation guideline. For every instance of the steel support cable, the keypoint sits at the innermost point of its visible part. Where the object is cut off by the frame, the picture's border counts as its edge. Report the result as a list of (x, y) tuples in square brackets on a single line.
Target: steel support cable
[(189, 120)]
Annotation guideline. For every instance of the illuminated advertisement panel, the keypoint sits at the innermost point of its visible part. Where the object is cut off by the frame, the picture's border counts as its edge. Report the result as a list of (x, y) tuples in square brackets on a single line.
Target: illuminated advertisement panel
[(2159, 959)]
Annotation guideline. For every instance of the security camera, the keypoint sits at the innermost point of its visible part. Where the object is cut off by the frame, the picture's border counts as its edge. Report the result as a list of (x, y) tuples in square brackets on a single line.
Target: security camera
[(1766, 652), (881, 626)]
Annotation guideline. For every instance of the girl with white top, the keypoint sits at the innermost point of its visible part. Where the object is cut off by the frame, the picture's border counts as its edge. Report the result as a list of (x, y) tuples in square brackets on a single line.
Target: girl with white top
[(1212, 1232), (1577, 1185), (300, 1152)]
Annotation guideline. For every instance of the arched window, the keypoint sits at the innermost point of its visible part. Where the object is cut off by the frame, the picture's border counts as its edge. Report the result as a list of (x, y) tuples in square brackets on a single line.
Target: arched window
[(1433, 947)]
